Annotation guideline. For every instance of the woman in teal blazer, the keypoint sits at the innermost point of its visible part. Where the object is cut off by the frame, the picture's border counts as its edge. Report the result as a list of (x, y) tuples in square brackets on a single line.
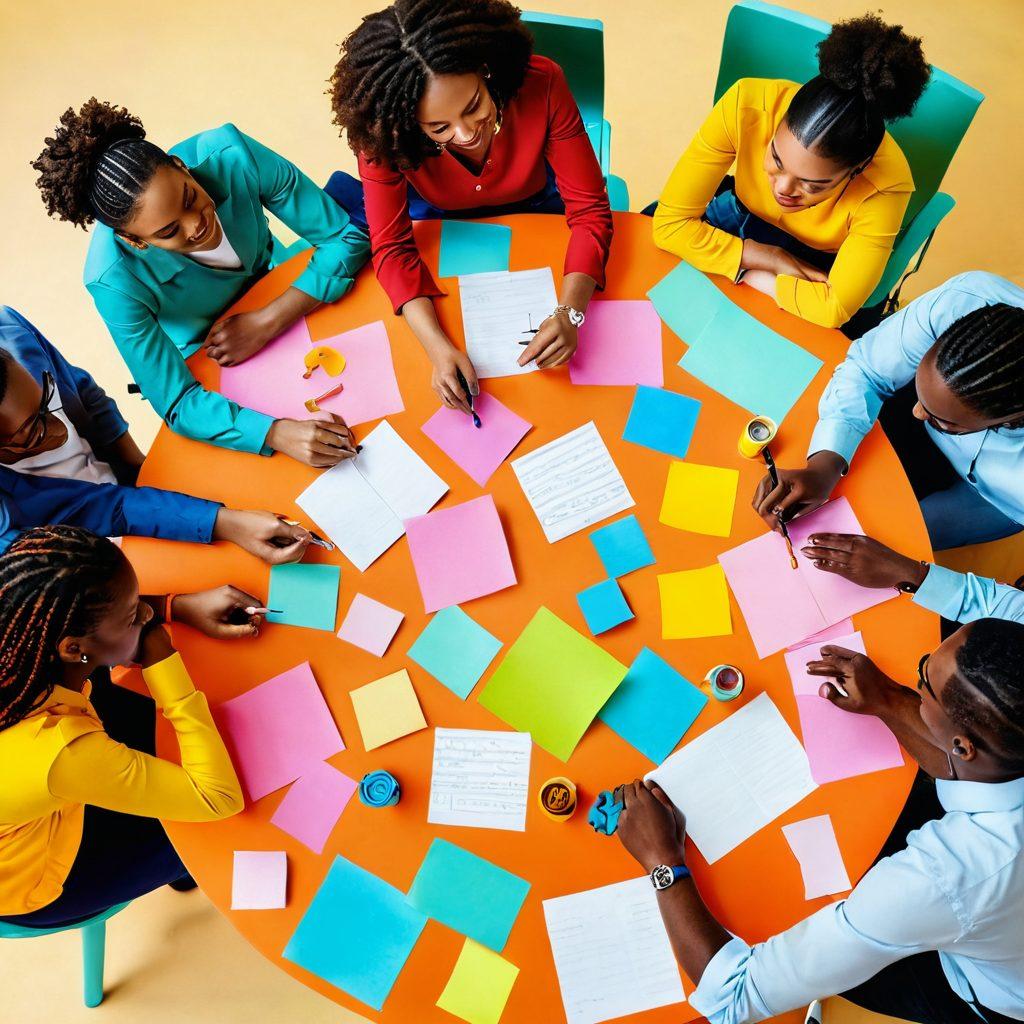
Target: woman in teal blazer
[(181, 235)]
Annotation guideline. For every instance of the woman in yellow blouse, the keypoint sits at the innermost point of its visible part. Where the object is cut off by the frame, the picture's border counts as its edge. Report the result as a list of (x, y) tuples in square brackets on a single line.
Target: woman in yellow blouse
[(820, 187), (78, 809)]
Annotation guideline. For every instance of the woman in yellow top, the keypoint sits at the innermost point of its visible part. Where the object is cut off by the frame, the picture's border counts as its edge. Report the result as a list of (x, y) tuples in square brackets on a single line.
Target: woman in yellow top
[(78, 809), (820, 187)]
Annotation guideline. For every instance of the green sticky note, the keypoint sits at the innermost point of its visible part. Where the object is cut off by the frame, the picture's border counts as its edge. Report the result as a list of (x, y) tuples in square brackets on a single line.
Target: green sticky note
[(455, 650), (468, 247), (552, 683), (687, 301), (467, 893), (305, 594), (479, 986)]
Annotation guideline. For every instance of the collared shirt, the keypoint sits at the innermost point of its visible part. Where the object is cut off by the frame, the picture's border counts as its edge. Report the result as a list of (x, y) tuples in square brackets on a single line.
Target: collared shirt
[(957, 888), (886, 359), (964, 597), (859, 221), (540, 125)]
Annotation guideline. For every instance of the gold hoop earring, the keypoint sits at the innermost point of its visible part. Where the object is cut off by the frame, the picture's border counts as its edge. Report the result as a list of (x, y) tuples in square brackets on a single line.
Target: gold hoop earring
[(497, 122)]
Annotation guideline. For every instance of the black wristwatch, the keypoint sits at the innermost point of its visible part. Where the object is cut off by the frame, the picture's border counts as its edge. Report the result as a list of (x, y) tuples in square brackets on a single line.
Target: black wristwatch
[(906, 587)]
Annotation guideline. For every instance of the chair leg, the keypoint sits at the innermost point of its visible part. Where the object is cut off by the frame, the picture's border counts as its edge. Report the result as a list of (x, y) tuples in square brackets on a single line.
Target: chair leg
[(94, 941)]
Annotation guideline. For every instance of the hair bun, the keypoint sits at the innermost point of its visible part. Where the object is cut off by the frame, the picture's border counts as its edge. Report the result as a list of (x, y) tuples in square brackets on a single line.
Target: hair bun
[(880, 61)]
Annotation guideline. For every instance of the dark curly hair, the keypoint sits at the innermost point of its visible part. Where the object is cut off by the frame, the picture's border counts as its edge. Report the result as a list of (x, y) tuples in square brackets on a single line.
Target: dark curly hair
[(869, 73), (386, 62), (96, 165)]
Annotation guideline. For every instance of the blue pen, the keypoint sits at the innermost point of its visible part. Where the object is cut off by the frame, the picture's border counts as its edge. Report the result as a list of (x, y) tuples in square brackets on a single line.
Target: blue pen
[(469, 397)]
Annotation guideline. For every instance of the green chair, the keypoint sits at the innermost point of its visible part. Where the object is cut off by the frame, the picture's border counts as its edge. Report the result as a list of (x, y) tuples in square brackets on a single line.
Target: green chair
[(577, 46), (94, 945), (766, 41)]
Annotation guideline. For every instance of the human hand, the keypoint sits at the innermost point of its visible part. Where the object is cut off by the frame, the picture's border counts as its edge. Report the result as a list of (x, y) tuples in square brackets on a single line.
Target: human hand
[(651, 827), (262, 534), (799, 490), (219, 613), (319, 443), (155, 645), (447, 363), (553, 344), (869, 689), (236, 338), (863, 560)]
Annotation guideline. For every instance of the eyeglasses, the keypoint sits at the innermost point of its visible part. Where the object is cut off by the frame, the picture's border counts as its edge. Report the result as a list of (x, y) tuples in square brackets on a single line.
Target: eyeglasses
[(922, 677), (33, 430)]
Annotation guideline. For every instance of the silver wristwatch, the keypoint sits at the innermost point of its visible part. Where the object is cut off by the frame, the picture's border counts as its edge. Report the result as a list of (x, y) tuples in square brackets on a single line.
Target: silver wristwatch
[(576, 318), (663, 876)]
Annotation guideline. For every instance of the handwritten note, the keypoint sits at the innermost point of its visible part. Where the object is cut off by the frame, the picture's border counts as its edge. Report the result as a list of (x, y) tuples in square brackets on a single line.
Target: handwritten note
[(814, 844), (572, 483), (481, 779)]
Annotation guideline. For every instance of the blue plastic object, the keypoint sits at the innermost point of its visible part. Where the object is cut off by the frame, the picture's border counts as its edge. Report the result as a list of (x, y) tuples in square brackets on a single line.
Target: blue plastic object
[(603, 816)]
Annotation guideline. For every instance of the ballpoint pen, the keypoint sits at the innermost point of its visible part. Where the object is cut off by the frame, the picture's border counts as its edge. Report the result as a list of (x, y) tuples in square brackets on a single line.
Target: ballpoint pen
[(464, 384), (774, 474), (253, 610), (314, 538)]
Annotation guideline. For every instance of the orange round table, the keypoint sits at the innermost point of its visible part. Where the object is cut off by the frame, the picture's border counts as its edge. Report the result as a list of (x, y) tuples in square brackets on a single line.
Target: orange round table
[(757, 889)]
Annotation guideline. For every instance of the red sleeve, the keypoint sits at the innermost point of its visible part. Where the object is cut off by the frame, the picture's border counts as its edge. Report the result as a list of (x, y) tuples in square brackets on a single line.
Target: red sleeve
[(580, 182), (396, 260)]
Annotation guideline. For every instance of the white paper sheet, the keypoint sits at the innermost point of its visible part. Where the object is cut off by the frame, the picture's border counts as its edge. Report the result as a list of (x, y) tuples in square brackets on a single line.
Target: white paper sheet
[(481, 778), (814, 844), (259, 880), (572, 483), (498, 310), (360, 503), (737, 777), (612, 952)]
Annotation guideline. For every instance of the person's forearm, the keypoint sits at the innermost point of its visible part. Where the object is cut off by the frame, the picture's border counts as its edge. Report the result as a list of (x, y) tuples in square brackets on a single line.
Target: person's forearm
[(283, 311), (758, 256), (695, 934), (577, 290), (901, 713), (421, 317)]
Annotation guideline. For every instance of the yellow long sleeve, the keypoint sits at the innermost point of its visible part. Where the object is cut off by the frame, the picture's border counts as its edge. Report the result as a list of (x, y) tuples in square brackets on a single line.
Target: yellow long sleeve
[(94, 769)]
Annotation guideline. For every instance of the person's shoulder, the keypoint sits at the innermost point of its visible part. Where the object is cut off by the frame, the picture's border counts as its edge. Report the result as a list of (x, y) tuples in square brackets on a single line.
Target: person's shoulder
[(762, 93), (13, 324), (889, 170), (105, 260), (213, 143), (986, 286)]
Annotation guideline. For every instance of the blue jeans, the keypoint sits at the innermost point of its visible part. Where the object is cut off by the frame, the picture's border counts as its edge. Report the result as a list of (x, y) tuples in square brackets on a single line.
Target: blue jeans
[(959, 515)]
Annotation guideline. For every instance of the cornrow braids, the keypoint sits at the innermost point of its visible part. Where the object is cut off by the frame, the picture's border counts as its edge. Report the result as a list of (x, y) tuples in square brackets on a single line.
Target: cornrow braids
[(54, 582), (386, 62), (96, 165), (981, 359)]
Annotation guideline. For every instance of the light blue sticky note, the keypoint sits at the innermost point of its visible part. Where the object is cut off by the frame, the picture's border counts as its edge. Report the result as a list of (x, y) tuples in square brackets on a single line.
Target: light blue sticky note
[(455, 650), (306, 594), (653, 706), (750, 364), (468, 247), (662, 420), (467, 893), (622, 546), (604, 606), (356, 933), (687, 301)]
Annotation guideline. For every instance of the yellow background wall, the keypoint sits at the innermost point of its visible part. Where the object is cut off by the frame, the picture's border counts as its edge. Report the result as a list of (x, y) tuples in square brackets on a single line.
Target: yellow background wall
[(189, 65)]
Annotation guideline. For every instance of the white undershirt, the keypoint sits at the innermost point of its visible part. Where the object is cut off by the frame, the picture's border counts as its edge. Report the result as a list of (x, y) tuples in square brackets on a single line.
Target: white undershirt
[(223, 257)]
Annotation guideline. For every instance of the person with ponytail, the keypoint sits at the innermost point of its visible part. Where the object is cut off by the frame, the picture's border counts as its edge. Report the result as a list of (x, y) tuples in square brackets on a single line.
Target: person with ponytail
[(820, 187), (451, 114), (181, 235), (82, 789), (946, 377)]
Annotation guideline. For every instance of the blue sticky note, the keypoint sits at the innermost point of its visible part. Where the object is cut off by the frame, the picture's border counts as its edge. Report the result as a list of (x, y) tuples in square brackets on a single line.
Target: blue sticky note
[(750, 364), (622, 546), (687, 301), (468, 247), (653, 706), (604, 606), (455, 650), (662, 420), (356, 933), (467, 893), (306, 594)]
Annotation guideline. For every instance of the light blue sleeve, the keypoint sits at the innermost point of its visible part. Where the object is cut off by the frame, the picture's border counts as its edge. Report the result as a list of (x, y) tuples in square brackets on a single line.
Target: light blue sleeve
[(964, 597)]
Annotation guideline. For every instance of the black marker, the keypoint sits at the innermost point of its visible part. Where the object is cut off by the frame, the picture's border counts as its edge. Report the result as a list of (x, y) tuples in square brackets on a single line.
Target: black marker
[(469, 397)]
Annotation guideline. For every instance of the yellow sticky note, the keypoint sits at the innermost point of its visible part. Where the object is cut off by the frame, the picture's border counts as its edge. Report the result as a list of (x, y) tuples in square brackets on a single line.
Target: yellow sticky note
[(479, 986), (387, 709), (694, 603), (699, 498)]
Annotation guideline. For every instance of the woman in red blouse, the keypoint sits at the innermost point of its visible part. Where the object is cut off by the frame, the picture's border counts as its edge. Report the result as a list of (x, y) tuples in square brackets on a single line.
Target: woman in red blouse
[(450, 113)]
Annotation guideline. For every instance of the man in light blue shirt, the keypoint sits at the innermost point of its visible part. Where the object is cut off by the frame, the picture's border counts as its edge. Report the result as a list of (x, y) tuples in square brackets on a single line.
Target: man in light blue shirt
[(933, 934), (962, 344)]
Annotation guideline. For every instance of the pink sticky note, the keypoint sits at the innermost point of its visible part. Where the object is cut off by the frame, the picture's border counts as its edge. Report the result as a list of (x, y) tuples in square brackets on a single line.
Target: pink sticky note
[(370, 625), (259, 880), (459, 553), (814, 844), (797, 658), (272, 381), (312, 806), (620, 343), (825, 636), (478, 450), (278, 730)]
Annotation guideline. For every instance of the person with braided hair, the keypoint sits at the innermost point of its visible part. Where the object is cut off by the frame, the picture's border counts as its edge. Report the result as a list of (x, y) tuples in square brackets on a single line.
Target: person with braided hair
[(180, 235), (820, 187), (956, 355), (932, 932), (451, 114), (79, 807)]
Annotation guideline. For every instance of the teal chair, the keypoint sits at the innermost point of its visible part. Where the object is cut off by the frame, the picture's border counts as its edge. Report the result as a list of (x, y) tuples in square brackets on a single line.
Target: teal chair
[(765, 41), (94, 945), (577, 46)]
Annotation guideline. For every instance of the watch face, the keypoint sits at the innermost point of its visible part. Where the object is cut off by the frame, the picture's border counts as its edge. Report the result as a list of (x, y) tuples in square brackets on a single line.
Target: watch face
[(662, 876)]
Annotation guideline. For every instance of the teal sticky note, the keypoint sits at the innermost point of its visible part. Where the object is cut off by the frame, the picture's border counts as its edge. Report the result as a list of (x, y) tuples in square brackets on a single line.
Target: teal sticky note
[(622, 546), (306, 594), (455, 650), (750, 364), (468, 247), (356, 933), (662, 420), (653, 706), (687, 301), (604, 606), (467, 893)]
